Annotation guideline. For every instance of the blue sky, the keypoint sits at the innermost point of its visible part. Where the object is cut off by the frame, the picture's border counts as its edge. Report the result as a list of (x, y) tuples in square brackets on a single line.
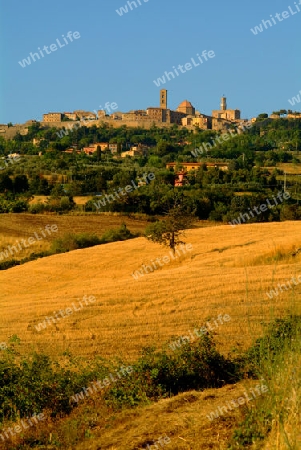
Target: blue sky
[(117, 57)]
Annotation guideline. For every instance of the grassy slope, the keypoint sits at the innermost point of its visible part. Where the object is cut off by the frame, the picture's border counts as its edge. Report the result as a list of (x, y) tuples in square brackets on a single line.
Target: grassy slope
[(228, 272), (182, 418), (14, 227)]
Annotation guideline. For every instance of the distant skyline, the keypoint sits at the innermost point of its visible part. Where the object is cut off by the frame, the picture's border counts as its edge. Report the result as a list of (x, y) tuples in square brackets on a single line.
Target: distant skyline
[(71, 55)]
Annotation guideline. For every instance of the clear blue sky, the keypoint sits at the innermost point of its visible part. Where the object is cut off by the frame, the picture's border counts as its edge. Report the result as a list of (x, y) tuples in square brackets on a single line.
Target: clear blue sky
[(117, 57)]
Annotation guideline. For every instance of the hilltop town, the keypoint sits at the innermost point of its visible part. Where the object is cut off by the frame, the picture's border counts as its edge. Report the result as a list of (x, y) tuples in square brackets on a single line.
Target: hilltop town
[(185, 116)]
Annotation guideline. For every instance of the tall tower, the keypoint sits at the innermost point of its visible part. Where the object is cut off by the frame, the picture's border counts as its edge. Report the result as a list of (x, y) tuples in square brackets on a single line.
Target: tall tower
[(163, 99), (223, 104)]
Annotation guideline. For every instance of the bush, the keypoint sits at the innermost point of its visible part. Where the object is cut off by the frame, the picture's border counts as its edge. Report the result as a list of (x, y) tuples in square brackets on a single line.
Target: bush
[(264, 351), (158, 374), (73, 241), (8, 264), (19, 206), (34, 256), (37, 208), (85, 240), (120, 234), (35, 384), (28, 386)]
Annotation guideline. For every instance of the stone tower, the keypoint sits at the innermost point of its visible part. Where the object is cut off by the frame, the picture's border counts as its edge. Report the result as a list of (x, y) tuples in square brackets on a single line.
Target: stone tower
[(163, 99), (223, 104)]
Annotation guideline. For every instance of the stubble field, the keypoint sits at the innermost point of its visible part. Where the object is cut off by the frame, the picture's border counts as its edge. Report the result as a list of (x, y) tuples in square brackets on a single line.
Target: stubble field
[(228, 271)]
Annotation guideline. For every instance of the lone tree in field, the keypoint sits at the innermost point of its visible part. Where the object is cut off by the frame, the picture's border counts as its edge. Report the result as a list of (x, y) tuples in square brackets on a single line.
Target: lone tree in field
[(169, 231)]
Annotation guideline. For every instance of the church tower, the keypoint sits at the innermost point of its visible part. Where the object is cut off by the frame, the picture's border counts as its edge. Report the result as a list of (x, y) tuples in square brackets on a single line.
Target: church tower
[(223, 104), (163, 99)]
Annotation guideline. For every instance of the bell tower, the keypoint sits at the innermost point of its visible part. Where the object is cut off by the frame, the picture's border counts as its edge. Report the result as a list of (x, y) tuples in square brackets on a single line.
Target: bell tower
[(163, 99), (223, 103)]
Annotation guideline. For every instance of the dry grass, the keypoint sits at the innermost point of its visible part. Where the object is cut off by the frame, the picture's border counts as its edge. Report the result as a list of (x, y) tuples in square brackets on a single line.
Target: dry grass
[(130, 314), (228, 271), (285, 400), (24, 225), (183, 419), (289, 168), (14, 227), (78, 199)]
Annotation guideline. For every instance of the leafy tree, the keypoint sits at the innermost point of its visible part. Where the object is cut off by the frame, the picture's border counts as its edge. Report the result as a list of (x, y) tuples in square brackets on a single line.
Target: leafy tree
[(168, 232), (98, 153), (6, 183), (21, 184), (262, 116), (57, 191)]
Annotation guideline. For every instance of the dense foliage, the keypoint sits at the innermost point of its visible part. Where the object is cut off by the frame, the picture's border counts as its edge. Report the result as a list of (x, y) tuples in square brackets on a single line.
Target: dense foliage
[(212, 193)]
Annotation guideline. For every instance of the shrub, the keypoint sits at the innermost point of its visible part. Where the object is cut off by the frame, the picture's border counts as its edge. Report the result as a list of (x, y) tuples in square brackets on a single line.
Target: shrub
[(37, 208), (158, 374), (8, 264), (85, 240), (120, 234), (19, 206), (280, 335), (34, 256), (71, 241)]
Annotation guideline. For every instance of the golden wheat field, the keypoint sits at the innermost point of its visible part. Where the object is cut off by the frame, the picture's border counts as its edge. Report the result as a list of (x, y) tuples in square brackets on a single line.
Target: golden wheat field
[(228, 271)]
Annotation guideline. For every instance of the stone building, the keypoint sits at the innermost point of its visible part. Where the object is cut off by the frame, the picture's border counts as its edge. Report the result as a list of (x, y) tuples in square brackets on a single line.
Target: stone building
[(70, 116), (200, 121), (85, 115), (224, 113), (186, 108), (188, 166), (52, 117), (134, 115), (163, 114)]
